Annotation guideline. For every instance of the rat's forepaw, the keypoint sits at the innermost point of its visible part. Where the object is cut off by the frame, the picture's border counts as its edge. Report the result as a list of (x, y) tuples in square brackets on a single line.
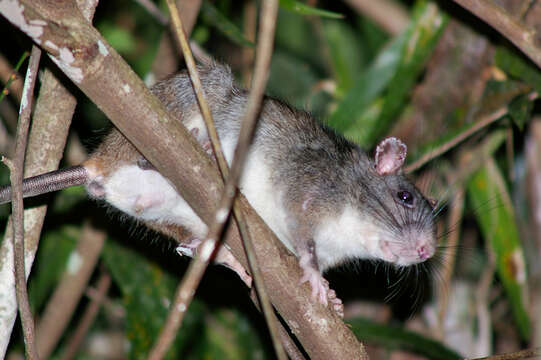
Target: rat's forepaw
[(319, 285), (336, 302), (321, 290)]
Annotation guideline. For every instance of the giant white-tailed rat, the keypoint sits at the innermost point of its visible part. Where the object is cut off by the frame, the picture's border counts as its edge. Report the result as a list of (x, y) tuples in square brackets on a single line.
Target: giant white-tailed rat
[(324, 197)]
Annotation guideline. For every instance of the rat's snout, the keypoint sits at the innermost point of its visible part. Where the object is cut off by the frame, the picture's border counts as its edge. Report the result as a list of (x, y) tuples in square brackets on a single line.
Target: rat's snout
[(415, 246), (424, 244)]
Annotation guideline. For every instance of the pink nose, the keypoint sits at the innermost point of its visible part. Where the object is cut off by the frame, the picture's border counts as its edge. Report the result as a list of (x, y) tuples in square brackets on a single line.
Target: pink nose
[(423, 253)]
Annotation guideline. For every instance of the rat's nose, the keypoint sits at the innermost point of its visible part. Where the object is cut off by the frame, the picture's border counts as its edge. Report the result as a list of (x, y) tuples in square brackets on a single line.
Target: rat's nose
[(423, 252)]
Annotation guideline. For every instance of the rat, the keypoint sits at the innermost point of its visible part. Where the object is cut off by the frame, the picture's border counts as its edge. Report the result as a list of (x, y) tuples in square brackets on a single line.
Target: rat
[(324, 197)]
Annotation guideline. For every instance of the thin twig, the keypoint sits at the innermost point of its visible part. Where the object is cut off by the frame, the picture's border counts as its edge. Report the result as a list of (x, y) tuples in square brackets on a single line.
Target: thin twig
[(197, 267), (522, 36), (104, 282), (455, 217), (522, 354), (483, 342), (264, 50), (287, 342), (11, 78), (186, 289), (199, 91), (168, 56), (154, 11), (392, 17), (525, 8), (248, 53), (200, 54), (479, 125), (16, 176)]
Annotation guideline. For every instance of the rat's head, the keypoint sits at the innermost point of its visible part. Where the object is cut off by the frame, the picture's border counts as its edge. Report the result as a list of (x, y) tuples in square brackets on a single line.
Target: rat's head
[(404, 217)]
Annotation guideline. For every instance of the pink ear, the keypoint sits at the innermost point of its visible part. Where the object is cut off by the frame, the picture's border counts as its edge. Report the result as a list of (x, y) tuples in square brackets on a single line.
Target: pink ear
[(390, 156)]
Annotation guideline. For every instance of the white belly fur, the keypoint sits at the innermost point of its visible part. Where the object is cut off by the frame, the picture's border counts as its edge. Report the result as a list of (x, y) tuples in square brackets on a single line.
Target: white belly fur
[(148, 196), (258, 189)]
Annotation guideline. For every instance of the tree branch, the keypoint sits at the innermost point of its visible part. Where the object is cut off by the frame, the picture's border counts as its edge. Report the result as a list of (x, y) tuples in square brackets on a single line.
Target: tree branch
[(522, 354), (63, 302), (16, 168), (74, 342), (518, 33)]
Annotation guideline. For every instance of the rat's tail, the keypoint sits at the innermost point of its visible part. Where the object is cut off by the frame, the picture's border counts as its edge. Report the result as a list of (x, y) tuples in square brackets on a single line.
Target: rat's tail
[(48, 182)]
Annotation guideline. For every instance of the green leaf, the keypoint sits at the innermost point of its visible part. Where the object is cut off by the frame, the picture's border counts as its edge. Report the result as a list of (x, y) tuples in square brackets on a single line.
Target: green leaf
[(518, 67), (147, 292), (295, 35), (286, 69), (520, 110), (495, 214), (344, 51), (373, 37), (229, 335), (119, 38), (15, 70), (54, 251), (367, 87), (392, 77), (223, 24), (303, 9), (68, 198), (392, 337)]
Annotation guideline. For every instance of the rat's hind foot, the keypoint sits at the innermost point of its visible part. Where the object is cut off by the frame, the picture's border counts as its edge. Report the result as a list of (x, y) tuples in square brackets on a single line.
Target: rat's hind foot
[(226, 258), (223, 257), (188, 248)]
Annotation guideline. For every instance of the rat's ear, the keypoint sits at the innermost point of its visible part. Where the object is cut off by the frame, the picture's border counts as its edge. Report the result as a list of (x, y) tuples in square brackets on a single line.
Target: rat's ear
[(390, 156)]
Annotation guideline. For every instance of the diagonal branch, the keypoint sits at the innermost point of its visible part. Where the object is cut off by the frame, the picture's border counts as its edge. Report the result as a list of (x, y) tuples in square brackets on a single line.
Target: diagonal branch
[(518, 33)]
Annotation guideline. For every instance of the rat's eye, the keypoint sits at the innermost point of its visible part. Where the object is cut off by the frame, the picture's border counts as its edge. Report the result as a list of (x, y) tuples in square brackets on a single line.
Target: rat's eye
[(406, 198), (144, 164)]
